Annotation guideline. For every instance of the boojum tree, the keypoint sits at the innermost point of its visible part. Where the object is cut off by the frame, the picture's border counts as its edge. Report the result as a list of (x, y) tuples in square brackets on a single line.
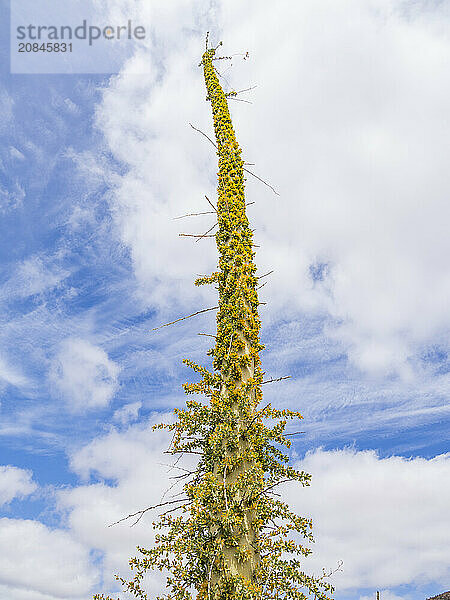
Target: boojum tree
[(229, 536)]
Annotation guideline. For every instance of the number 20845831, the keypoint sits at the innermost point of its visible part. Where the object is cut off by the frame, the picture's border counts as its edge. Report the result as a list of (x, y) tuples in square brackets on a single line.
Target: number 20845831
[(45, 47)]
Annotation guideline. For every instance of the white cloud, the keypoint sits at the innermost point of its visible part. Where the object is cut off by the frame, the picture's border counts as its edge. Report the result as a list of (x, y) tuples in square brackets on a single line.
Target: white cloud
[(128, 413), (385, 518), (15, 483), (14, 593), (134, 459), (84, 375), (357, 95), (37, 563)]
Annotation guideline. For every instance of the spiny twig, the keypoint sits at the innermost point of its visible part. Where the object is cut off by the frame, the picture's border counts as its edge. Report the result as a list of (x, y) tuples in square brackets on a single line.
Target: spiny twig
[(183, 452), (196, 235), (172, 509), (278, 379), (222, 76), (262, 181), (247, 89), (208, 212), (143, 511), (183, 475), (199, 312), (204, 134), (275, 484), (206, 232), (332, 572), (211, 204), (240, 100), (265, 275), (174, 466)]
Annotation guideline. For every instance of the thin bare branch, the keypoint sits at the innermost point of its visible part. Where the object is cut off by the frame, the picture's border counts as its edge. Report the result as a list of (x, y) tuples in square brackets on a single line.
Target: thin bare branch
[(196, 235), (174, 466), (295, 433), (332, 571), (183, 475), (262, 181), (240, 100), (274, 485), (144, 510), (265, 275), (199, 312), (177, 461), (206, 232), (168, 490), (278, 379), (204, 134), (249, 89), (182, 452), (222, 76), (210, 203), (208, 212), (172, 510)]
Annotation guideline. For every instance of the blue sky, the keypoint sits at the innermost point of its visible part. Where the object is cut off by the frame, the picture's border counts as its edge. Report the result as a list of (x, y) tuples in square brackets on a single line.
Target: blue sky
[(349, 122)]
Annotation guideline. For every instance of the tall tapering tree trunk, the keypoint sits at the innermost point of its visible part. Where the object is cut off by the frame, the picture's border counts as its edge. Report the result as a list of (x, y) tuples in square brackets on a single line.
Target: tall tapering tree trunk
[(236, 353)]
